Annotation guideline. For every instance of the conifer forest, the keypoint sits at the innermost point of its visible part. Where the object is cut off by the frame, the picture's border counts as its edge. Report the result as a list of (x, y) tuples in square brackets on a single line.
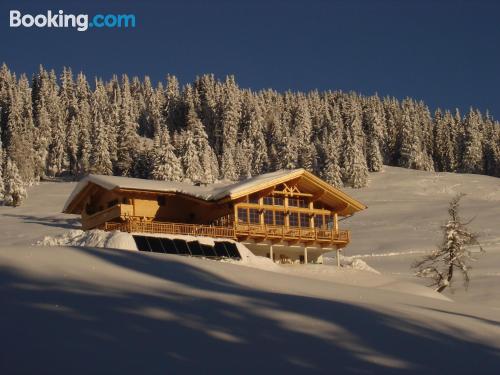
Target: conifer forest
[(60, 124)]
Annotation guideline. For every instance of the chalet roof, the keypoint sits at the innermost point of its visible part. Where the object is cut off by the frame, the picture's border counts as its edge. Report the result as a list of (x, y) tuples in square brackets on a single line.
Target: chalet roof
[(210, 192)]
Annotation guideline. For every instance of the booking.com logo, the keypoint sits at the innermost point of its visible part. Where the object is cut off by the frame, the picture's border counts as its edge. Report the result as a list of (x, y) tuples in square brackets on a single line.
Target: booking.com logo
[(79, 21)]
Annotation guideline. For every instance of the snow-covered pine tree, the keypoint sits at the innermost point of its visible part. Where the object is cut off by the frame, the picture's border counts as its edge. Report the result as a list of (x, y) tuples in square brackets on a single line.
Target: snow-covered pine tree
[(190, 159), (329, 146), (19, 130), (354, 168), (69, 105), (100, 161), (445, 142), (471, 145), (14, 186), (227, 140), (425, 128), (302, 132), (2, 185), (453, 254), (172, 113), (127, 133), (275, 134), (197, 156), (56, 158), (252, 153), (165, 165), (372, 124), (288, 144), (393, 114), (7, 82), (491, 146), (411, 154), (83, 120)]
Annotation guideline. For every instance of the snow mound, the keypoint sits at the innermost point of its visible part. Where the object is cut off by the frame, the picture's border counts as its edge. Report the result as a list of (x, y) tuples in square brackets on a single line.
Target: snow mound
[(357, 264), (91, 238), (353, 262)]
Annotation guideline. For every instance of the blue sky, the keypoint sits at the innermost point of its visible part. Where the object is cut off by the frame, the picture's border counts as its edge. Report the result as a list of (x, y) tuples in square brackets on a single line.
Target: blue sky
[(444, 52)]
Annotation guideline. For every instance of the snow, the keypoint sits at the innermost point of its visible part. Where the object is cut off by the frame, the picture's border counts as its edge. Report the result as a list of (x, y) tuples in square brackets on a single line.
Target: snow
[(82, 309), (92, 238), (210, 192)]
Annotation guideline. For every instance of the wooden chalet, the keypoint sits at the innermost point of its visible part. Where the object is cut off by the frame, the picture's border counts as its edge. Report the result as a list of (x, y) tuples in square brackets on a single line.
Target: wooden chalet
[(288, 215)]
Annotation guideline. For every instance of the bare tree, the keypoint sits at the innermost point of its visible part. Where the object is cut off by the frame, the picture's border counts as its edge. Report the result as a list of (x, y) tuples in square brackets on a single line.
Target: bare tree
[(453, 253)]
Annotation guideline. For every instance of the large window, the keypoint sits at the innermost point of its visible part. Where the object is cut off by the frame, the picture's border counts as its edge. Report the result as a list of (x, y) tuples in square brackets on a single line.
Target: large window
[(268, 200), (293, 219), (254, 216)]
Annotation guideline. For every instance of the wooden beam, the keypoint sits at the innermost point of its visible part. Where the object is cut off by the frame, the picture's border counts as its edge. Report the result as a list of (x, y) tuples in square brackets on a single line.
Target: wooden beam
[(268, 207), (279, 192)]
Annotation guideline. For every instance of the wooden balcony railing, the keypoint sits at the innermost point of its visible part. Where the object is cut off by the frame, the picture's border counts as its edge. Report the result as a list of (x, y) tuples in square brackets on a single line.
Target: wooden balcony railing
[(240, 231)]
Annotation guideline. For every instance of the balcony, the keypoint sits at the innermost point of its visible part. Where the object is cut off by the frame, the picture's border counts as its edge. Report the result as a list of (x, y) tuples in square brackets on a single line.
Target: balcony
[(238, 232)]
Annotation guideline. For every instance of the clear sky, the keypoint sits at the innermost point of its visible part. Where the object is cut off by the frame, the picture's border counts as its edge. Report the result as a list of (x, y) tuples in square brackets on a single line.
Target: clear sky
[(444, 52)]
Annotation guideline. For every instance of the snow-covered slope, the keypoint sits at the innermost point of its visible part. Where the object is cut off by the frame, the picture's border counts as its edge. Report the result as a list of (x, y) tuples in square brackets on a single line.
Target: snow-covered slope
[(405, 211), (91, 310)]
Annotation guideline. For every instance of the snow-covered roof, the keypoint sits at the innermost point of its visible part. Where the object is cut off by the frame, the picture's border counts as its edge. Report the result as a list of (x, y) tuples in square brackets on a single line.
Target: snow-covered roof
[(209, 192)]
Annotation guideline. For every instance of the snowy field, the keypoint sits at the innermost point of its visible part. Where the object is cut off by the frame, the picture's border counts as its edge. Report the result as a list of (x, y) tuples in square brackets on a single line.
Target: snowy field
[(82, 310)]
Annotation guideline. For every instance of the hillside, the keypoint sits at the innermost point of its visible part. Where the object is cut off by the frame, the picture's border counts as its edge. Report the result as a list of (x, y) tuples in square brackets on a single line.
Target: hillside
[(86, 310)]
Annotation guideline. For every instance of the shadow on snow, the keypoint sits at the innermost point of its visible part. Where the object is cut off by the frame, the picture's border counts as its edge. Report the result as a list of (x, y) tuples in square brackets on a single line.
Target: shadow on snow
[(70, 327)]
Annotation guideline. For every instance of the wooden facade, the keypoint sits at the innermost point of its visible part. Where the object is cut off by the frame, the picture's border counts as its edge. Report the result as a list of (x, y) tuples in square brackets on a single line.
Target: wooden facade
[(294, 208)]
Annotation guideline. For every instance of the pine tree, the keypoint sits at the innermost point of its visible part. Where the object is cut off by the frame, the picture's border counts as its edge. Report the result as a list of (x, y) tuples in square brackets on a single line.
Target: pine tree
[(445, 142), (56, 158), (253, 141), (354, 168), (19, 130), (127, 133), (471, 148), (302, 124), (329, 146), (14, 186), (83, 124), (411, 152), (166, 165), (227, 139), (2, 185), (100, 161), (372, 124), (198, 158)]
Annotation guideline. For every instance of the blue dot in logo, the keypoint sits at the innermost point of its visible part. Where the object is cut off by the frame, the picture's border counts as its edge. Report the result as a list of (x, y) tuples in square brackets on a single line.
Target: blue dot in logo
[(91, 24)]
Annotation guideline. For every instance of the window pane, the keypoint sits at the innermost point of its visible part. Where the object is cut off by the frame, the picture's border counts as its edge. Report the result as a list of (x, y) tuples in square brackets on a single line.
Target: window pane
[(254, 216), (278, 201), (279, 218), (294, 219), (242, 215), (268, 217), (318, 221), (304, 220), (268, 200), (330, 223), (254, 199)]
